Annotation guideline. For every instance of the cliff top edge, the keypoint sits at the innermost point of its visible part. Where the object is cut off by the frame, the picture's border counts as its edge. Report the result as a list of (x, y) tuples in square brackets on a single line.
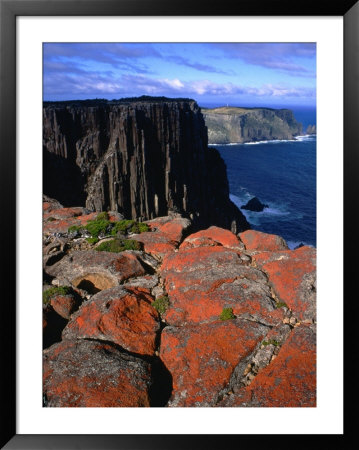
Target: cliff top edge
[(121, 101)]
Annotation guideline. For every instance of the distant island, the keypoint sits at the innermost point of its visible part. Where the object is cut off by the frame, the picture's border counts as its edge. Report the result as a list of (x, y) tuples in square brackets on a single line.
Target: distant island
[(240, 125)]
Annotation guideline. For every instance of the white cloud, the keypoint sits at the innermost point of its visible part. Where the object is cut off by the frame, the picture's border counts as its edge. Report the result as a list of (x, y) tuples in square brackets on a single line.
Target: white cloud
[(175, 84)]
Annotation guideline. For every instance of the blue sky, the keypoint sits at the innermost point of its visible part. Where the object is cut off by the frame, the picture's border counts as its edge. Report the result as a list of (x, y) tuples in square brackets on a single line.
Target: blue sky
[(247, 74)]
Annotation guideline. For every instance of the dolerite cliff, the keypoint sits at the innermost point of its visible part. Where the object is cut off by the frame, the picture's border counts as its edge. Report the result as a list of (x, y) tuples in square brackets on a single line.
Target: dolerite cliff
[(141, 158), (205, 319), (239, 125)]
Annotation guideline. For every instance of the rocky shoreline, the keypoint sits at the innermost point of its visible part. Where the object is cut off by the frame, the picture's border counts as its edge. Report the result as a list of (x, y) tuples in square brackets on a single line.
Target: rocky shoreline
[(171, 316)]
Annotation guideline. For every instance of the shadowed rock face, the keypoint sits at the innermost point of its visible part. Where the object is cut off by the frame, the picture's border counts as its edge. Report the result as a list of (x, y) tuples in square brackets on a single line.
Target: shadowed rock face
[(142, 159)]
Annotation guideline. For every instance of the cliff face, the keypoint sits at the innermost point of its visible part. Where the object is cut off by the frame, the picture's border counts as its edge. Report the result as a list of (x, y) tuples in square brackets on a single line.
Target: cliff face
[(226, 125), (142, 159)]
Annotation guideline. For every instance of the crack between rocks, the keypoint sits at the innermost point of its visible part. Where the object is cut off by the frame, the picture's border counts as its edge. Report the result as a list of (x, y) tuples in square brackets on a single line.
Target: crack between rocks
[(251, 370)]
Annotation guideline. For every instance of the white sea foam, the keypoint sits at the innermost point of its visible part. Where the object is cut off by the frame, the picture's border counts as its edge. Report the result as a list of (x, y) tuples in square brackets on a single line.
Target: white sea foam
[(254, 217), (272, 141), (305, 137), (231, 143)]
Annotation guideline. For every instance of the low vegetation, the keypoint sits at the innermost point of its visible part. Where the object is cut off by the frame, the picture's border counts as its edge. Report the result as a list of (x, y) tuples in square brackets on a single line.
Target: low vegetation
[(56, 290), (271, 342), (227, 314), (161, 304), (102, 227), (118, 245), (281, 305)]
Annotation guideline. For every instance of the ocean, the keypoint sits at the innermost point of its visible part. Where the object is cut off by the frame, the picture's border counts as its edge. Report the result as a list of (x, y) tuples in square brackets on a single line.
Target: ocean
[(282, 174)]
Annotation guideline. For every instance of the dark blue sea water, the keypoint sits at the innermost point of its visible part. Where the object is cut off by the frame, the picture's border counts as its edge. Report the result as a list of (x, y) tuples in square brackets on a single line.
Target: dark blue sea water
[(282, 174)]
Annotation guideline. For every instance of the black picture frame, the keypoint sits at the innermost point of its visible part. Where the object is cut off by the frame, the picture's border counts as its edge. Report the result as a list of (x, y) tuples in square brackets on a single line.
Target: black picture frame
[(9, 10)]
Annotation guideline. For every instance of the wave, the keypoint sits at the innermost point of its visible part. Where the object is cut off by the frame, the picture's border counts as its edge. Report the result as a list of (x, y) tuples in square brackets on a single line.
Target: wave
[(306, 137), (272, 209), (279, 212), (225, 145)]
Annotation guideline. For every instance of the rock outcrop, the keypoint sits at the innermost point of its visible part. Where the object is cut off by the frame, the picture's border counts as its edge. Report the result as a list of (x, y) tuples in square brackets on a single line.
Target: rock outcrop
[(254, 204), (209, 319), (311, 129), (239, 125), (143, 159)]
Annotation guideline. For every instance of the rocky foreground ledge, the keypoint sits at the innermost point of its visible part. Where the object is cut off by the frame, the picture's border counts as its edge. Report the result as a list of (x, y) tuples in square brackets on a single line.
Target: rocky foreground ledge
[(183, 319)]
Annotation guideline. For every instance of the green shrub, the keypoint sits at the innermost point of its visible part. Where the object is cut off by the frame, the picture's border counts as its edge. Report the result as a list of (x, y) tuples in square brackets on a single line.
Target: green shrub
[(95, 227), (139, 227), (161, 304), (226, 314), (92, 240), (129, 226), (271, 342), (281, 305), (122, 226), (56, 290), (118, 245), (103, 216), (74, 229)]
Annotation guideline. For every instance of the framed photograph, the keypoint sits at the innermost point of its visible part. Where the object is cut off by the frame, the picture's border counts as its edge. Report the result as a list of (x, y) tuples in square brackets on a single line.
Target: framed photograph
[(183, 222)]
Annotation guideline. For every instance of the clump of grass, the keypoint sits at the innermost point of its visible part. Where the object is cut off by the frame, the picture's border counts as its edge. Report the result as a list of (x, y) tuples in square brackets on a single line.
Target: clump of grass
[(56, 290), (129, 226), (119, 245), (51, 219), (226, 314), (92, 240), (271, 342), (281, 305), (96, 227), (103, 216), (74, 229), (139, 227), (161, 304), (122, 226)]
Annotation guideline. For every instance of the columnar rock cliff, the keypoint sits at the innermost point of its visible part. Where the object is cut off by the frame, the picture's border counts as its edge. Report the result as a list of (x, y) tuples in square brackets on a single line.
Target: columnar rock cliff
[(229, 124), (143, 159)]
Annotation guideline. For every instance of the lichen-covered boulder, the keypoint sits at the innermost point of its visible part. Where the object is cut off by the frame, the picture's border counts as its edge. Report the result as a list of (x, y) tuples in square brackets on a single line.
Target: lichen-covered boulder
[(122, 316), (93, 270), (262, 242), (292, 274), (202, 358), (211, 237), (165, 235), (85, 373), (201, 281)]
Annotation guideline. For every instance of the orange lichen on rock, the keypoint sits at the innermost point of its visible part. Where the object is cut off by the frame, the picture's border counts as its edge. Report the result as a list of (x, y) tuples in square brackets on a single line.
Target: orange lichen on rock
[(290, 379), (258, 241), (292, 274), (201, 358), (211, 237), (122, 316), (202, 281), (92, 374), (165, 235)]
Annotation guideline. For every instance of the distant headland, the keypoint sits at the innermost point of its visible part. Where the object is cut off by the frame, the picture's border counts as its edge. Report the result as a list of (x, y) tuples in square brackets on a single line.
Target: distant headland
[(240, 125)]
